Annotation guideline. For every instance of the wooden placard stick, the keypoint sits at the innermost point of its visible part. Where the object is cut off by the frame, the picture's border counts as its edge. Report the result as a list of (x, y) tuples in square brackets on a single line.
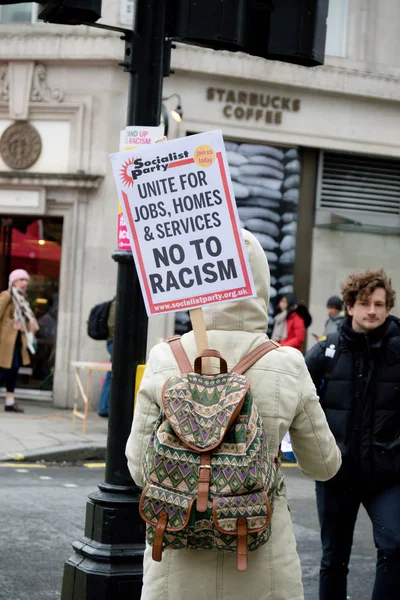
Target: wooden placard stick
[(198, 325), (200, 336)]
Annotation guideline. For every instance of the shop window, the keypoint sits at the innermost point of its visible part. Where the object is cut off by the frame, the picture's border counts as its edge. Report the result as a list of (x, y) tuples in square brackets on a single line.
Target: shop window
[(336, 34), (266, 182), (358, 190), (25, 12), (34, 244)]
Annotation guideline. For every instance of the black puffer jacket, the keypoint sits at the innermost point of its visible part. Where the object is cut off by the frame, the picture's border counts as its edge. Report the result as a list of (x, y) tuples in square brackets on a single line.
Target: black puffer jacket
[(357, 377)]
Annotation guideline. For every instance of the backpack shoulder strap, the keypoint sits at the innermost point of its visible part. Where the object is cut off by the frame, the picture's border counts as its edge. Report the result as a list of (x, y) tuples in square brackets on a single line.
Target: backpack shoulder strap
[(251, 358), (246, 362), (331, 338), (179, 353)]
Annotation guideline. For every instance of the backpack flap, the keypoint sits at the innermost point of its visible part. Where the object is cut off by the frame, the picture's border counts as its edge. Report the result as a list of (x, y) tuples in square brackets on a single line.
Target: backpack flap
[(165, 511), (201, 408), (228, 509)]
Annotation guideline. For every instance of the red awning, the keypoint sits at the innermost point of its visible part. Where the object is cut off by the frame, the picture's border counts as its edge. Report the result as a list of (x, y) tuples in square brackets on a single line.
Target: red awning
[(26, 246)]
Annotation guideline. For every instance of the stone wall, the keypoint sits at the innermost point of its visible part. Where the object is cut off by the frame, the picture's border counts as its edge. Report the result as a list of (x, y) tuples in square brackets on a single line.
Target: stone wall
[(338, 253)]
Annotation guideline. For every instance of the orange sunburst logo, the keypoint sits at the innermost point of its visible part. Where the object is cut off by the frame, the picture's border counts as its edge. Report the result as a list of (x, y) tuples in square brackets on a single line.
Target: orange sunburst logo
[(125, 176)]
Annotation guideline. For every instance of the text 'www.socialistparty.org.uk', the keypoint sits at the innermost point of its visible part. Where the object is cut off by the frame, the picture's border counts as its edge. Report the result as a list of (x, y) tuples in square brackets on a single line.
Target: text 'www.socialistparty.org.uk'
[(200, 300)]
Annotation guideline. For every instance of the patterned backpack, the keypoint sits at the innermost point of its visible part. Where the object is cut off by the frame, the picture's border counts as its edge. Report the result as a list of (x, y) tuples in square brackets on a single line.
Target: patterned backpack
[(210, 481)]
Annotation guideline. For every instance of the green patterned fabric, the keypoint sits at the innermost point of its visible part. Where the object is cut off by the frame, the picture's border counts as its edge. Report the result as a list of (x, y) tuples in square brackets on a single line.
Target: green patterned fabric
[(199, 407), (214, 414)]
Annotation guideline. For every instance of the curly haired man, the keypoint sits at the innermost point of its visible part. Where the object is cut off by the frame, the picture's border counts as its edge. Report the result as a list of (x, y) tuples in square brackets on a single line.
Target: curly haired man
[(357, 375)]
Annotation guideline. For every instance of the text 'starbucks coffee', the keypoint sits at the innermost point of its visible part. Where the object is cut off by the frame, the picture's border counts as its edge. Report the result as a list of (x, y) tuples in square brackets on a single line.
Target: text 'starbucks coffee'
[(251, 106)]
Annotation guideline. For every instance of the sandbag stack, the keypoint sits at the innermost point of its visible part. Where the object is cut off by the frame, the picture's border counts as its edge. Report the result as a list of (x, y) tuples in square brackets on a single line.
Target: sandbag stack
[(266, 182)]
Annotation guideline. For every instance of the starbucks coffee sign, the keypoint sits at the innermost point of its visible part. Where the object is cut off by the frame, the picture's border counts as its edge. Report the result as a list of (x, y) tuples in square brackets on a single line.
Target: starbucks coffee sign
[(240, 105)]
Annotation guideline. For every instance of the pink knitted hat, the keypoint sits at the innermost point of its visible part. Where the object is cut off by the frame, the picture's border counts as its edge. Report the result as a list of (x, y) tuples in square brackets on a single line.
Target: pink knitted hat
[(18, 274)]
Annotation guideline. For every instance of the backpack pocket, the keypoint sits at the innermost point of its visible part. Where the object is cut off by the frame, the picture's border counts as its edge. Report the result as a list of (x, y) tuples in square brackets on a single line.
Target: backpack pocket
[(254, 507), (165, 512), (156, 500), (242, 522)]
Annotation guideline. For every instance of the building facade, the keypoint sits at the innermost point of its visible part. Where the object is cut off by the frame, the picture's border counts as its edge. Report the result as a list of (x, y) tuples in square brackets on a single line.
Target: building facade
[(313, 155)]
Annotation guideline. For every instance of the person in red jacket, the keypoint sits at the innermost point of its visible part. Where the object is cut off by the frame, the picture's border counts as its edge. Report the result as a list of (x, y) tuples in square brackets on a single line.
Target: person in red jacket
[(291, 322)]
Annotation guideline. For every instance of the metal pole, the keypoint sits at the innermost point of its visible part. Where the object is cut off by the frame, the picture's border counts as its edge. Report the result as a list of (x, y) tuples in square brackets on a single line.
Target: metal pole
[(129, 348), (109, 558)]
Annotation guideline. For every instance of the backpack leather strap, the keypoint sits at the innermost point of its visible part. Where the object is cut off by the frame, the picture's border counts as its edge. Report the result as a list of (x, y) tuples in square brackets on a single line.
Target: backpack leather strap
[(179, 354), (204, 482), (242, 544), (158, 537), (215, 354), (249, 360)]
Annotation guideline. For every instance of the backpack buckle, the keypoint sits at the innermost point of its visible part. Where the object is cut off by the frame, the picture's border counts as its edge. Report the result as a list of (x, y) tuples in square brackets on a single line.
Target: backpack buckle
[(204, 482)]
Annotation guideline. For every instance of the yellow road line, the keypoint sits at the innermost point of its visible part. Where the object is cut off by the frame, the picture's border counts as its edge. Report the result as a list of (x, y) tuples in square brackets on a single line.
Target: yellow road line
[(289, 464), (18, 465), (94, 465)]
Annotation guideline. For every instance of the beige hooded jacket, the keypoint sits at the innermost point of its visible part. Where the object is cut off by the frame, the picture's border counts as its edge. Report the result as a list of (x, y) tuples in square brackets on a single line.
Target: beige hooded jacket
[(286, 399)]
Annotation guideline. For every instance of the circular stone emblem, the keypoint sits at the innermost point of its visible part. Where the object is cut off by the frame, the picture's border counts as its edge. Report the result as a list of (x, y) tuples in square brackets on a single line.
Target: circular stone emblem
[(20, 146)]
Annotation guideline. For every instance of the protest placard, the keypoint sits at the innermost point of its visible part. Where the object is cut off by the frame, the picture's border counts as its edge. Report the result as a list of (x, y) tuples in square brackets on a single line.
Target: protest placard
[(130, 137), (182, 222)]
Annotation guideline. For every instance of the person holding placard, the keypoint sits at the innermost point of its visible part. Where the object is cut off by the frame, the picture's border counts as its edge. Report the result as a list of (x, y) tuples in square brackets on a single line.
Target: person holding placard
[(286, 400)]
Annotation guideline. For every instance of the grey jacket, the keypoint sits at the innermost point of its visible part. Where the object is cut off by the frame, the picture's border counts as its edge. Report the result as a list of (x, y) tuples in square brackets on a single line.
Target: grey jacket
[(333, 324)]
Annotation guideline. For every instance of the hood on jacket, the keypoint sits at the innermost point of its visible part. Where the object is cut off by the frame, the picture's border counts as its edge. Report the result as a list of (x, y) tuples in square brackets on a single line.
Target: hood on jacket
[(338, 317), (302, 311), (250, 314)]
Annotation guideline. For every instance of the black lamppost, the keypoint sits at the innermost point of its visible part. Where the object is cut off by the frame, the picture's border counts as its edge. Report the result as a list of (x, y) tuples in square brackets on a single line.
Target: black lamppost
[(108, 560)]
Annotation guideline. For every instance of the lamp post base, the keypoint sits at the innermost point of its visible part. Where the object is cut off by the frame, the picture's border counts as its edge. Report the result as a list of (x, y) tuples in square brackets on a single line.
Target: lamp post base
[(107, 564)]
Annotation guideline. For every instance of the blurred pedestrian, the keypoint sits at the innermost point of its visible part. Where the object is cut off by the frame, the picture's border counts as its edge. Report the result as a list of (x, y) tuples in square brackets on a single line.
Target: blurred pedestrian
[(17, 322), (285, 397), (291, 322), (335, 315), (357, 374), (104, 400)]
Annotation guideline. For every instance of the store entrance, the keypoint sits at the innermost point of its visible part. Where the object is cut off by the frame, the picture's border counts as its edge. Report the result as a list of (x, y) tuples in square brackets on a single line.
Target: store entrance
[(34, 244)]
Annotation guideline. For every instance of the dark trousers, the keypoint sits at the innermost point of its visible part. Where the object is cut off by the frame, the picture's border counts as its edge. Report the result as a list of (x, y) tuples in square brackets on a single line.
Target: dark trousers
[(8, 377), (338, 503), (104, 400)]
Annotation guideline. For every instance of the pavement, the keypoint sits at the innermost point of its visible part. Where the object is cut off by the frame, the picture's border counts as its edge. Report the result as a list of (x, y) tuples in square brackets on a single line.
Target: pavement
[(46, 433)]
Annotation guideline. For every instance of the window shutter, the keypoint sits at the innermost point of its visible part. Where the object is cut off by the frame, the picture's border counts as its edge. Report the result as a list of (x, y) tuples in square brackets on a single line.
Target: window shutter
[(360, 187)]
